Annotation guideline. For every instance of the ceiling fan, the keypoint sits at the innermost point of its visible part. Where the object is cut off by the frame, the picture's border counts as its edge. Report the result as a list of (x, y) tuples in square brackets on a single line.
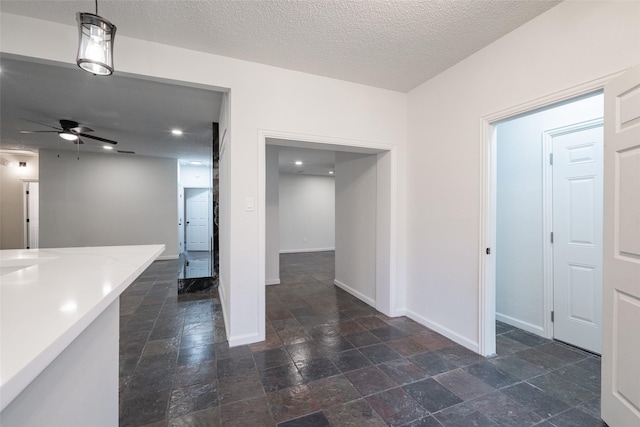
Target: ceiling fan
[(71, 131)]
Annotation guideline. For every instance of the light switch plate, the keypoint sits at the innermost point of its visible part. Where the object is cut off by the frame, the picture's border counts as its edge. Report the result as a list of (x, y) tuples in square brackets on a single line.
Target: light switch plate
[(248, 204)]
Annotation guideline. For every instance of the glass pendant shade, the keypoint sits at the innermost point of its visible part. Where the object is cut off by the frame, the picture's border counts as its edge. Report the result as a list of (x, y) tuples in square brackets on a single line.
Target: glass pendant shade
[(95, 44)]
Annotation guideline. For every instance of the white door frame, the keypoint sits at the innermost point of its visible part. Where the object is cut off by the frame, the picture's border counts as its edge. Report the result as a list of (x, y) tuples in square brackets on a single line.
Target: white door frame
[(487, 238), (386, 242)]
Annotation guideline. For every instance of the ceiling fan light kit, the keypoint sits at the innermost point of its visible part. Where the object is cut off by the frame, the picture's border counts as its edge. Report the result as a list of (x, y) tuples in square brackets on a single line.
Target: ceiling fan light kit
[(95, 43), (68, 136), (71, 130)]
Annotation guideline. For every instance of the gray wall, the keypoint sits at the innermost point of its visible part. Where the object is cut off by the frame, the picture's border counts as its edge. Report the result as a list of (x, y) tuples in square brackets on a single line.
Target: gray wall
[(307, 213), (356, 186), (106, 200)]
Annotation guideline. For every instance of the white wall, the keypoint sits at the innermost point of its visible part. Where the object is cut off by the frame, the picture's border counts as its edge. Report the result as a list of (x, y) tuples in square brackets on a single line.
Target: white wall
[(520, 239), (307, 213), (261, 97), (356, 203), (573, 43), (272, 218), (195, 176), (106, 200), (11, 194)]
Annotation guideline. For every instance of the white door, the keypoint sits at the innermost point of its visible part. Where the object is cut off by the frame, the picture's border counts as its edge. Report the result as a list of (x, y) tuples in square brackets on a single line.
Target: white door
[(197, 213), (621, 309), (180, 219), (33, 214), (577, 236), (198, 268)]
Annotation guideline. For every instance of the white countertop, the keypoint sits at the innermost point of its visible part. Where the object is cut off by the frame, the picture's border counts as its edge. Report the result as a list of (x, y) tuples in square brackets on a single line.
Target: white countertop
[(49, 296)]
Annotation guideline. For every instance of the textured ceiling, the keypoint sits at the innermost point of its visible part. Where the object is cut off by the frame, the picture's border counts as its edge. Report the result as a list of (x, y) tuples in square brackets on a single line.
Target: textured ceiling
[(393, 44)]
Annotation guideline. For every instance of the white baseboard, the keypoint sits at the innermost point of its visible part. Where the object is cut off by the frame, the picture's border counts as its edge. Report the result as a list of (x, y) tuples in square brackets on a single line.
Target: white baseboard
[(223, 304), (521, 324), (272, 281), (454, 336), (167, 257), (399, 312), (244, 339), (303, 250), (355, 293)]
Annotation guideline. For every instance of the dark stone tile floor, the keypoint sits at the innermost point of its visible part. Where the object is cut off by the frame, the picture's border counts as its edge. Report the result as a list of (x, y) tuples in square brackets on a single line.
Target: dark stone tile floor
[(331, 360)]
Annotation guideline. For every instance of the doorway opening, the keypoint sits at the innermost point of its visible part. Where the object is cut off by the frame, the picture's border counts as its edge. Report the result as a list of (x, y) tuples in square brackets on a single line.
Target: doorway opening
[(549, 222), (533, 211), (31, 192), (198, 185), (354, 160)]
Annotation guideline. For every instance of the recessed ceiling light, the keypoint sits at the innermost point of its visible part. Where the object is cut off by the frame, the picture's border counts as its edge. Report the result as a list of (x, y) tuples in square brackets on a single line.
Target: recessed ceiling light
[(196, 163), (176, 131), (298, 162), (330, 172), (107, 147)]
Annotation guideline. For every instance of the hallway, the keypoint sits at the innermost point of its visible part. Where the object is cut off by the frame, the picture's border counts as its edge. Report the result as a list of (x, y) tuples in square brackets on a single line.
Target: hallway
[(331, 360)]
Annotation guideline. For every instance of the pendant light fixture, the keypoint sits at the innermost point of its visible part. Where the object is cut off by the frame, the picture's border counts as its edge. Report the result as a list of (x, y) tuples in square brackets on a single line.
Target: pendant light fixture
[(95, 44)]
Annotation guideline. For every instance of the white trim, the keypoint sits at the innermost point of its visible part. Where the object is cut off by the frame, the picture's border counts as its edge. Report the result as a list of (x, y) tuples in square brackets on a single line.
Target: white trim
[(244, 339), (487, 262), (355, 293), (167, 257), (223, 143), (547, 246), (301, 251), (487, 238), (329, 142), (270, 282), (464, 341), (223, 304), (525, 326)]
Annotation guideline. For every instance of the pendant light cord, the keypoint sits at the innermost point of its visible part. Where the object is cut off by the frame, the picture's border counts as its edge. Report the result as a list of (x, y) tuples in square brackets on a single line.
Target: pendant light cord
[(97, 7)]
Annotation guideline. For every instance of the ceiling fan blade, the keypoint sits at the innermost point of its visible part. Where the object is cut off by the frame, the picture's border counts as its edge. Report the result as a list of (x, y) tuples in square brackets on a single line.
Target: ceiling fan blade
[(78, 141), (39, 131), (41, 124), (97, 138), (81, 129)]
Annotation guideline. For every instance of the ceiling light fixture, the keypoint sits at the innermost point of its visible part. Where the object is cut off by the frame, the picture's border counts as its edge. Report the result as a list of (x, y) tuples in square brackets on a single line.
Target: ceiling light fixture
[(107, 147), (95, 44), (196, 163), (68, 136), (176, 131), (330, 172), (298, 163)]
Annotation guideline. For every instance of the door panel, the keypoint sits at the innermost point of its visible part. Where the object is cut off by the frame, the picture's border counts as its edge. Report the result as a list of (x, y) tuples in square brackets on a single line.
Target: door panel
[(621, 308), (629, 214), (581, 195), (583, 281), (577, 227), (197, 213)]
